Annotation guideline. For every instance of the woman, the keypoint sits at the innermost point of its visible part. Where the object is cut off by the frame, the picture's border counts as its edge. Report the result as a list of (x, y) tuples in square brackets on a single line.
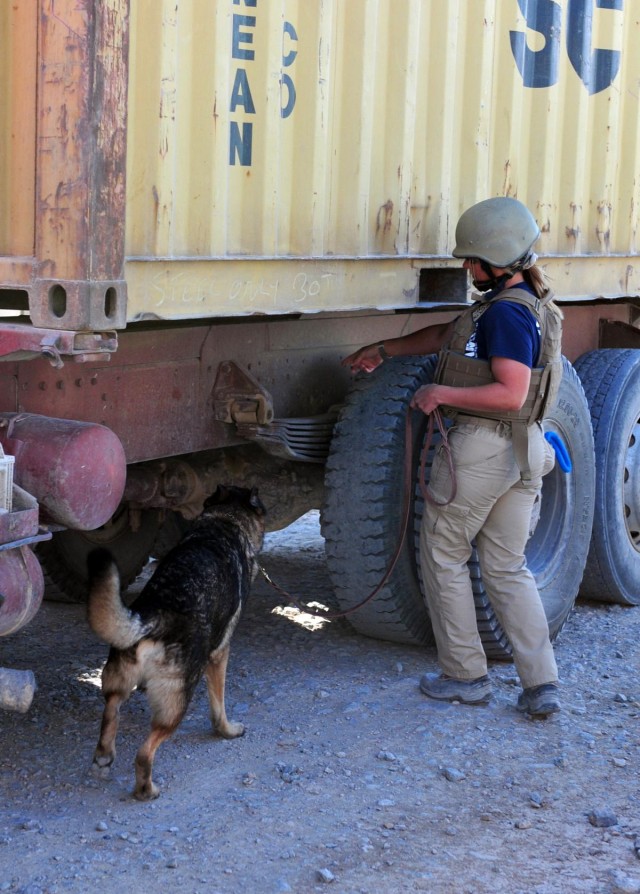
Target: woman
[(498, 374)]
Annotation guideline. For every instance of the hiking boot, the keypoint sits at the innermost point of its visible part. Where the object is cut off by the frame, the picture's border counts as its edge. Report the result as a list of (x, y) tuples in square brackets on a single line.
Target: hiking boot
[(539, 701), (470, 692)]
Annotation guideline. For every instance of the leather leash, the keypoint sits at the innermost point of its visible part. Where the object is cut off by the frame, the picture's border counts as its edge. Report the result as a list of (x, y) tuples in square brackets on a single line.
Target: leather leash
[(426, 496), (435, 418)]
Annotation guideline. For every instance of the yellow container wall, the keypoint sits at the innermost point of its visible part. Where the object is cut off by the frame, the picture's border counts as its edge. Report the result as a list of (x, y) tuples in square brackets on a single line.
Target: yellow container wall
[(352, 129)]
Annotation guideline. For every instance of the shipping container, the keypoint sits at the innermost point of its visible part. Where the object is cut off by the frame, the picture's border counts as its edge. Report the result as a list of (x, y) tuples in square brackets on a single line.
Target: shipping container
[(206, 204)]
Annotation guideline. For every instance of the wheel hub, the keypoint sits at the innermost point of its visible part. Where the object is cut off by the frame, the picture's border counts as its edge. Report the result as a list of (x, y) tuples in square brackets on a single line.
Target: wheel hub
[(631, 486)]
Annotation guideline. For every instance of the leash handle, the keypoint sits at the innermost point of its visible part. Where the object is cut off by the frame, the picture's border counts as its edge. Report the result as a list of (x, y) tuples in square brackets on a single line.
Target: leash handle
[(436, 416)]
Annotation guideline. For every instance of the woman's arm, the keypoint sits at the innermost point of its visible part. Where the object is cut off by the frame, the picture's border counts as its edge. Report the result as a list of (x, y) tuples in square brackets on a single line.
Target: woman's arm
[(508, 392), (424, 341)]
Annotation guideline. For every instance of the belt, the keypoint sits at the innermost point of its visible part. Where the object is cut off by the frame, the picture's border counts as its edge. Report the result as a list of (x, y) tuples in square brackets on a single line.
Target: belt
[(482, 421)]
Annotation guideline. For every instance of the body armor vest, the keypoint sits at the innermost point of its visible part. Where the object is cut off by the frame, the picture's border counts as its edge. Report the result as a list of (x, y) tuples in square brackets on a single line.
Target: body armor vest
[(458, 370)]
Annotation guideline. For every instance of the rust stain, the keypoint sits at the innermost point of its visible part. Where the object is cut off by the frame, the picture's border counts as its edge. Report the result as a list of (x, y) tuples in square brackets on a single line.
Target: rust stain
[(544, 216), (385, 217), (573, 230), (603, 225), (507, 188), (628, 277)]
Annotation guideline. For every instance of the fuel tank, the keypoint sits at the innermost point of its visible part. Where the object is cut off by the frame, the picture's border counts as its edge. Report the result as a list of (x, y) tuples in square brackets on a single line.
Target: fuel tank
[(76, 470)]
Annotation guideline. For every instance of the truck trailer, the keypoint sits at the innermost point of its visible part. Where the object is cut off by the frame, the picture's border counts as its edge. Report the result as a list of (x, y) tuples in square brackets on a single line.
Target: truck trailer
[(206, 204)]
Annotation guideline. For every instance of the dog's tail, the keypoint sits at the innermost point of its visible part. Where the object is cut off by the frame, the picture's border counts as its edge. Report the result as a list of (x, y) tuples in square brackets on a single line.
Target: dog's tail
[(108, 616)]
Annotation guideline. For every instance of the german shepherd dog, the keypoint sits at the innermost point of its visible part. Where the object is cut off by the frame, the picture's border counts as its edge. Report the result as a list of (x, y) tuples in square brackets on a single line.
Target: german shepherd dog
[(179, 627)]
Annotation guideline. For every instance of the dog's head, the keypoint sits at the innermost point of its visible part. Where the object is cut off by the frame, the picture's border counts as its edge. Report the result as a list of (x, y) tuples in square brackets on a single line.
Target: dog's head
[(230, 495)]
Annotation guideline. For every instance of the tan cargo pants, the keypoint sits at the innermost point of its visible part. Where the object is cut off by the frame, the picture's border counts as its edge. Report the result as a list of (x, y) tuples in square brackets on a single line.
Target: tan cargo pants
[(492, 506)]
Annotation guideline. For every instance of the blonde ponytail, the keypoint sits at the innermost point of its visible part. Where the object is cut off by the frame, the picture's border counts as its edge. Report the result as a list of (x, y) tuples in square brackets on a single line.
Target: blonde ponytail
[(536, 279)]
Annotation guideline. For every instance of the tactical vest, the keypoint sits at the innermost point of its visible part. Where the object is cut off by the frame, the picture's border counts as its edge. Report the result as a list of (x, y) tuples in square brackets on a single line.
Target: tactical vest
[(459, 371)]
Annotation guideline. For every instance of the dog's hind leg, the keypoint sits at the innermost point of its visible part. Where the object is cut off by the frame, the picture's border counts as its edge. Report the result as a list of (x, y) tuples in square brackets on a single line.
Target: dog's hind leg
[(216, 674), (146, 789), (117, 685), (169, 700), (105, 752)]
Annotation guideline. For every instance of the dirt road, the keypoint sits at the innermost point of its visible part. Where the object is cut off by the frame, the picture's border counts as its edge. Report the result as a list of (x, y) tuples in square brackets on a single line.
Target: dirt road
[(347, 779)]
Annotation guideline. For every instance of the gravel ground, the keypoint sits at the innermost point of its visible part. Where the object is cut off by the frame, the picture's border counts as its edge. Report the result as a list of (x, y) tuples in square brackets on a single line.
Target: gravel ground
[(347, 777)]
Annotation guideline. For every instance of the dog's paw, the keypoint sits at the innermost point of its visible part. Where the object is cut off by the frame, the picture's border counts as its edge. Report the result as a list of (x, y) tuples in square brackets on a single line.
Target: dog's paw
[(147, 792), (231, 730), (102, 764)]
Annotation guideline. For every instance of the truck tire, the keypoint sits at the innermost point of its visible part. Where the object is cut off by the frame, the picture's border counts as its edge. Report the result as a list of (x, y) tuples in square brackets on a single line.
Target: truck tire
[(361, 518), (64, 556), (611, 380)]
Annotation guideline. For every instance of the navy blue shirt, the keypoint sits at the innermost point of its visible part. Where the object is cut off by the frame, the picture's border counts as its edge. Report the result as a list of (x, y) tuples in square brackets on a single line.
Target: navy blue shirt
[(510, 330)]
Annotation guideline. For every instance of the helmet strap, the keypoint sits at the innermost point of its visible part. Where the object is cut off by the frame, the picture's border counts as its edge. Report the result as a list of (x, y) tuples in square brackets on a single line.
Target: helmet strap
[(494, 282)]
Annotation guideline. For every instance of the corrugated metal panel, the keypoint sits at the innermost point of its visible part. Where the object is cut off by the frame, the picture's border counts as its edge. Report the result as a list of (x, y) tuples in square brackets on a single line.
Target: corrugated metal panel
[(373, 125), (18, 68), (303, 148), (305, 155), (403, 115), (352, 129)]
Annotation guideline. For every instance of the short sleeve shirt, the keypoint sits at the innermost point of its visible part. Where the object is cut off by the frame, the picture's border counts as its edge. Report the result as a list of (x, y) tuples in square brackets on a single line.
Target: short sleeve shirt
[(509, 330)]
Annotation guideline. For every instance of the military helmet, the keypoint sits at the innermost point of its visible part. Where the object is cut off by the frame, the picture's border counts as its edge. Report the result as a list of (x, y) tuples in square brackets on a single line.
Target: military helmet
[(499, 230)]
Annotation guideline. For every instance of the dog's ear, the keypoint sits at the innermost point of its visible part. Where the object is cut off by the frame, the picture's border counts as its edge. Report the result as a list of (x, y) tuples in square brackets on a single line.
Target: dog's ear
[(256, 503), (220, 495), (230, 494)]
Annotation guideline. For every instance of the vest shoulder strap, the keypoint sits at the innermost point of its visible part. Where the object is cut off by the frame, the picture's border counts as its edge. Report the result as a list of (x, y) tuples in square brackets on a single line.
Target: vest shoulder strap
[(524, 296)]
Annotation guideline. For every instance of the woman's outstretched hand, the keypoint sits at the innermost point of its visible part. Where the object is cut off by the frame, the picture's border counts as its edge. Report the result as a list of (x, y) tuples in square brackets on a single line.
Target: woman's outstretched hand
[(364, 360)]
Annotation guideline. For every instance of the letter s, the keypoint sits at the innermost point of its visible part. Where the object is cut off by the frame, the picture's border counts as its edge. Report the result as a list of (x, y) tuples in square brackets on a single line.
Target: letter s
[(539, 68)]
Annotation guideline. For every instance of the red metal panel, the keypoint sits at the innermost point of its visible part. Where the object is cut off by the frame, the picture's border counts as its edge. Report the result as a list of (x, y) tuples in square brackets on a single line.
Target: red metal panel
[(80, 165), (156, 391)]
